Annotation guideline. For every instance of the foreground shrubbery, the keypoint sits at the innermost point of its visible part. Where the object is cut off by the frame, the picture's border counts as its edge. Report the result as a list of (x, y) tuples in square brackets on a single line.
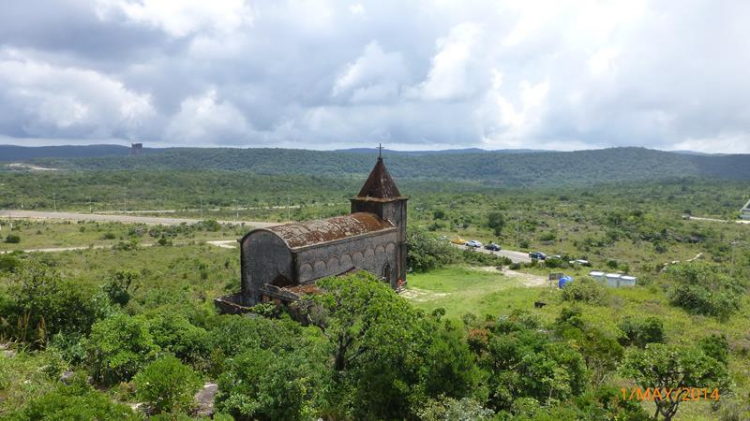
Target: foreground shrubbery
[(167, 385), (75, 402), (39, 303), (365, 353)]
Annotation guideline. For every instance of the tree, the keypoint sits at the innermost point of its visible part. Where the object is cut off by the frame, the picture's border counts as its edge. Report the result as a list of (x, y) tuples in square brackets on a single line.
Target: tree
[(677, 369), (496, 222), (524, 362), (380, 348), (119, 347), (426, 251), (167, 385)]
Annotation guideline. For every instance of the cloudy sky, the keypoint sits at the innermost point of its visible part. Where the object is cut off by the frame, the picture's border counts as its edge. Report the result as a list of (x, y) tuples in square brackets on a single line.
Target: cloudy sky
[(553, 74)]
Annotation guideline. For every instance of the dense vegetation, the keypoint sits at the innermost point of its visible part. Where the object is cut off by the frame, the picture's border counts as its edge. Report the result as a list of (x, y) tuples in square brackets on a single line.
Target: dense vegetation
[(86, 334), (492, 168)]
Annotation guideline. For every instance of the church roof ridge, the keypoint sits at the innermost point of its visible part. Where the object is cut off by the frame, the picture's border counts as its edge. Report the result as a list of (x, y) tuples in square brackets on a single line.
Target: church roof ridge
[(319, 231)]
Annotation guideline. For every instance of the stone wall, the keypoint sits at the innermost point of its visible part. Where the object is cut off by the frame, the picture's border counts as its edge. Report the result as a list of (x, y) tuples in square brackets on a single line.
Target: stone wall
[(265, 256), (370, 253)]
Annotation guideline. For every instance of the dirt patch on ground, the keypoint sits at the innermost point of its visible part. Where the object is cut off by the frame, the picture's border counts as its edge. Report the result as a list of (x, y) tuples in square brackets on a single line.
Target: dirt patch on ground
[(22, 166), (421, 295), (526, 279)]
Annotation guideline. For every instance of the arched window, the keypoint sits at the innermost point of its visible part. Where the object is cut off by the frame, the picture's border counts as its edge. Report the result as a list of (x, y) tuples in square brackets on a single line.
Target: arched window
[(387, 273)]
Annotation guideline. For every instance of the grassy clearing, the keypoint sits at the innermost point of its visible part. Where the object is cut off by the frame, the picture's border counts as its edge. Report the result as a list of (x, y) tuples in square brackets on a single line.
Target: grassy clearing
[(461, 290)]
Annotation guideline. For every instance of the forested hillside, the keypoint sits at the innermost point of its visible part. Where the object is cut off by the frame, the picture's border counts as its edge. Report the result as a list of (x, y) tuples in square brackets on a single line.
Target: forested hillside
[(491, 168), (11, 153)]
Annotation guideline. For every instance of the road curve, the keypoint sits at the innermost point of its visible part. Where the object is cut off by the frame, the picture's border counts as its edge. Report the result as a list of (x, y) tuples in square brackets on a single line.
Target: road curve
[(127, 219)]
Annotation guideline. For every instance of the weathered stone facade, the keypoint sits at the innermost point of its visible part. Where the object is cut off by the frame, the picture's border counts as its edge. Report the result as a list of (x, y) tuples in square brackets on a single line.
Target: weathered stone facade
[(279, 262)]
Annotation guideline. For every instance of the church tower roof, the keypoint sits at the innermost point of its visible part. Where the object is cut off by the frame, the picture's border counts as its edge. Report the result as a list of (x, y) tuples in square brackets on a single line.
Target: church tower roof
[(379, 184)]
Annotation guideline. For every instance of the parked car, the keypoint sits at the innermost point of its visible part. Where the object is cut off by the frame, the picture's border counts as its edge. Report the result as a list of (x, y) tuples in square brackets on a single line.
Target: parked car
[(492, 246), (458, 240), (538, 255), (473, 243)]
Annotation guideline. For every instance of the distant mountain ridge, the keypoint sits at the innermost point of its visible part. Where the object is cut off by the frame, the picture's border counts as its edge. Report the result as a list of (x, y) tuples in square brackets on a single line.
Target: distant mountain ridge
[(13, 153), (488, 168)]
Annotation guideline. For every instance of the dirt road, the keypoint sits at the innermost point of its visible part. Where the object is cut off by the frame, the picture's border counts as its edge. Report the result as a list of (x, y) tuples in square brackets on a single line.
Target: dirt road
[(738, 221), (226, 244), (127, 219)]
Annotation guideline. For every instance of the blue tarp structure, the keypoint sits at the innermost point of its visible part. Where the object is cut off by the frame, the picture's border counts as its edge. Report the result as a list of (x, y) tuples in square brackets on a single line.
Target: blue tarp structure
[(564, 281)]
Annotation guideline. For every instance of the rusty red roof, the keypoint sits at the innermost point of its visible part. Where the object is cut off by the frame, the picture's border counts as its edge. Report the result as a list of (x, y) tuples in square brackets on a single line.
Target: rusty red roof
[(322, 231), (379, 184)]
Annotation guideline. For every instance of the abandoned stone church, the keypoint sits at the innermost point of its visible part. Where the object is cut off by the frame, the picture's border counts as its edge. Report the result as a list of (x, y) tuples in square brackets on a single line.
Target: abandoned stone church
[(281, 263)]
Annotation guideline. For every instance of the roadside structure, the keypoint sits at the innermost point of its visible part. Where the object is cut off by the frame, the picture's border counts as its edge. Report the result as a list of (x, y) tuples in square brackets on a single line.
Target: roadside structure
[(745, 211)]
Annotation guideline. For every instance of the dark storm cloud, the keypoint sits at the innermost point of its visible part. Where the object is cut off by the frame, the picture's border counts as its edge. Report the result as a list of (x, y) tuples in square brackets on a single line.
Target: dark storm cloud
[(329, 74)]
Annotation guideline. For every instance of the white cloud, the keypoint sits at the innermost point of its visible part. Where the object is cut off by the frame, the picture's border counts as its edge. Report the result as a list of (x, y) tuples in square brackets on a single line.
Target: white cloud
[(318, 73), (375, 76), (450, 77), (179, 18), (205, 119), (53, 100)]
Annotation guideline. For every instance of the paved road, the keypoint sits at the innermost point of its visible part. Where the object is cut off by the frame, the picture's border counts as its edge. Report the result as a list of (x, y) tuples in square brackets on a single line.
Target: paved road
[(514, 256), (128, 219)]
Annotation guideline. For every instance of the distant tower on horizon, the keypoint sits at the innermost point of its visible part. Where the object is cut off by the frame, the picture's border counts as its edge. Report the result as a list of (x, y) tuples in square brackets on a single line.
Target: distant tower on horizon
[(136, 148)]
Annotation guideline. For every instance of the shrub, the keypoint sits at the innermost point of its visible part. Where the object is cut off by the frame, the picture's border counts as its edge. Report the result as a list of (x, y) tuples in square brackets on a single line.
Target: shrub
[(120, 287), (13, 239), (167, 385), (445, 408), (266, 385), (118, 348), (586, 290), (40, 303), (77, 402), (704, 288), (554, 262), (9, 263), (639, 333), (172, 332)]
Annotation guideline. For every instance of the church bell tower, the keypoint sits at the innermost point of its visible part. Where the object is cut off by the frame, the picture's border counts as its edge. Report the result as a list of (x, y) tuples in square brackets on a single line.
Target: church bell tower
[(380, 196)]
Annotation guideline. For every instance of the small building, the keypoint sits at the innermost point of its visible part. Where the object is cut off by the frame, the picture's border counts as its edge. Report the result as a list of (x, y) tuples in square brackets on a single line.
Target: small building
[(745, 212), (627, 281), (613, 279), (597, 275), (136, 148)]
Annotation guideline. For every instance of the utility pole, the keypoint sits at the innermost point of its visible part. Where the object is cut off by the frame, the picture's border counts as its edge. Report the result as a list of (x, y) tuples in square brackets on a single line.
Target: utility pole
[(54, 201), (91, 206)]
